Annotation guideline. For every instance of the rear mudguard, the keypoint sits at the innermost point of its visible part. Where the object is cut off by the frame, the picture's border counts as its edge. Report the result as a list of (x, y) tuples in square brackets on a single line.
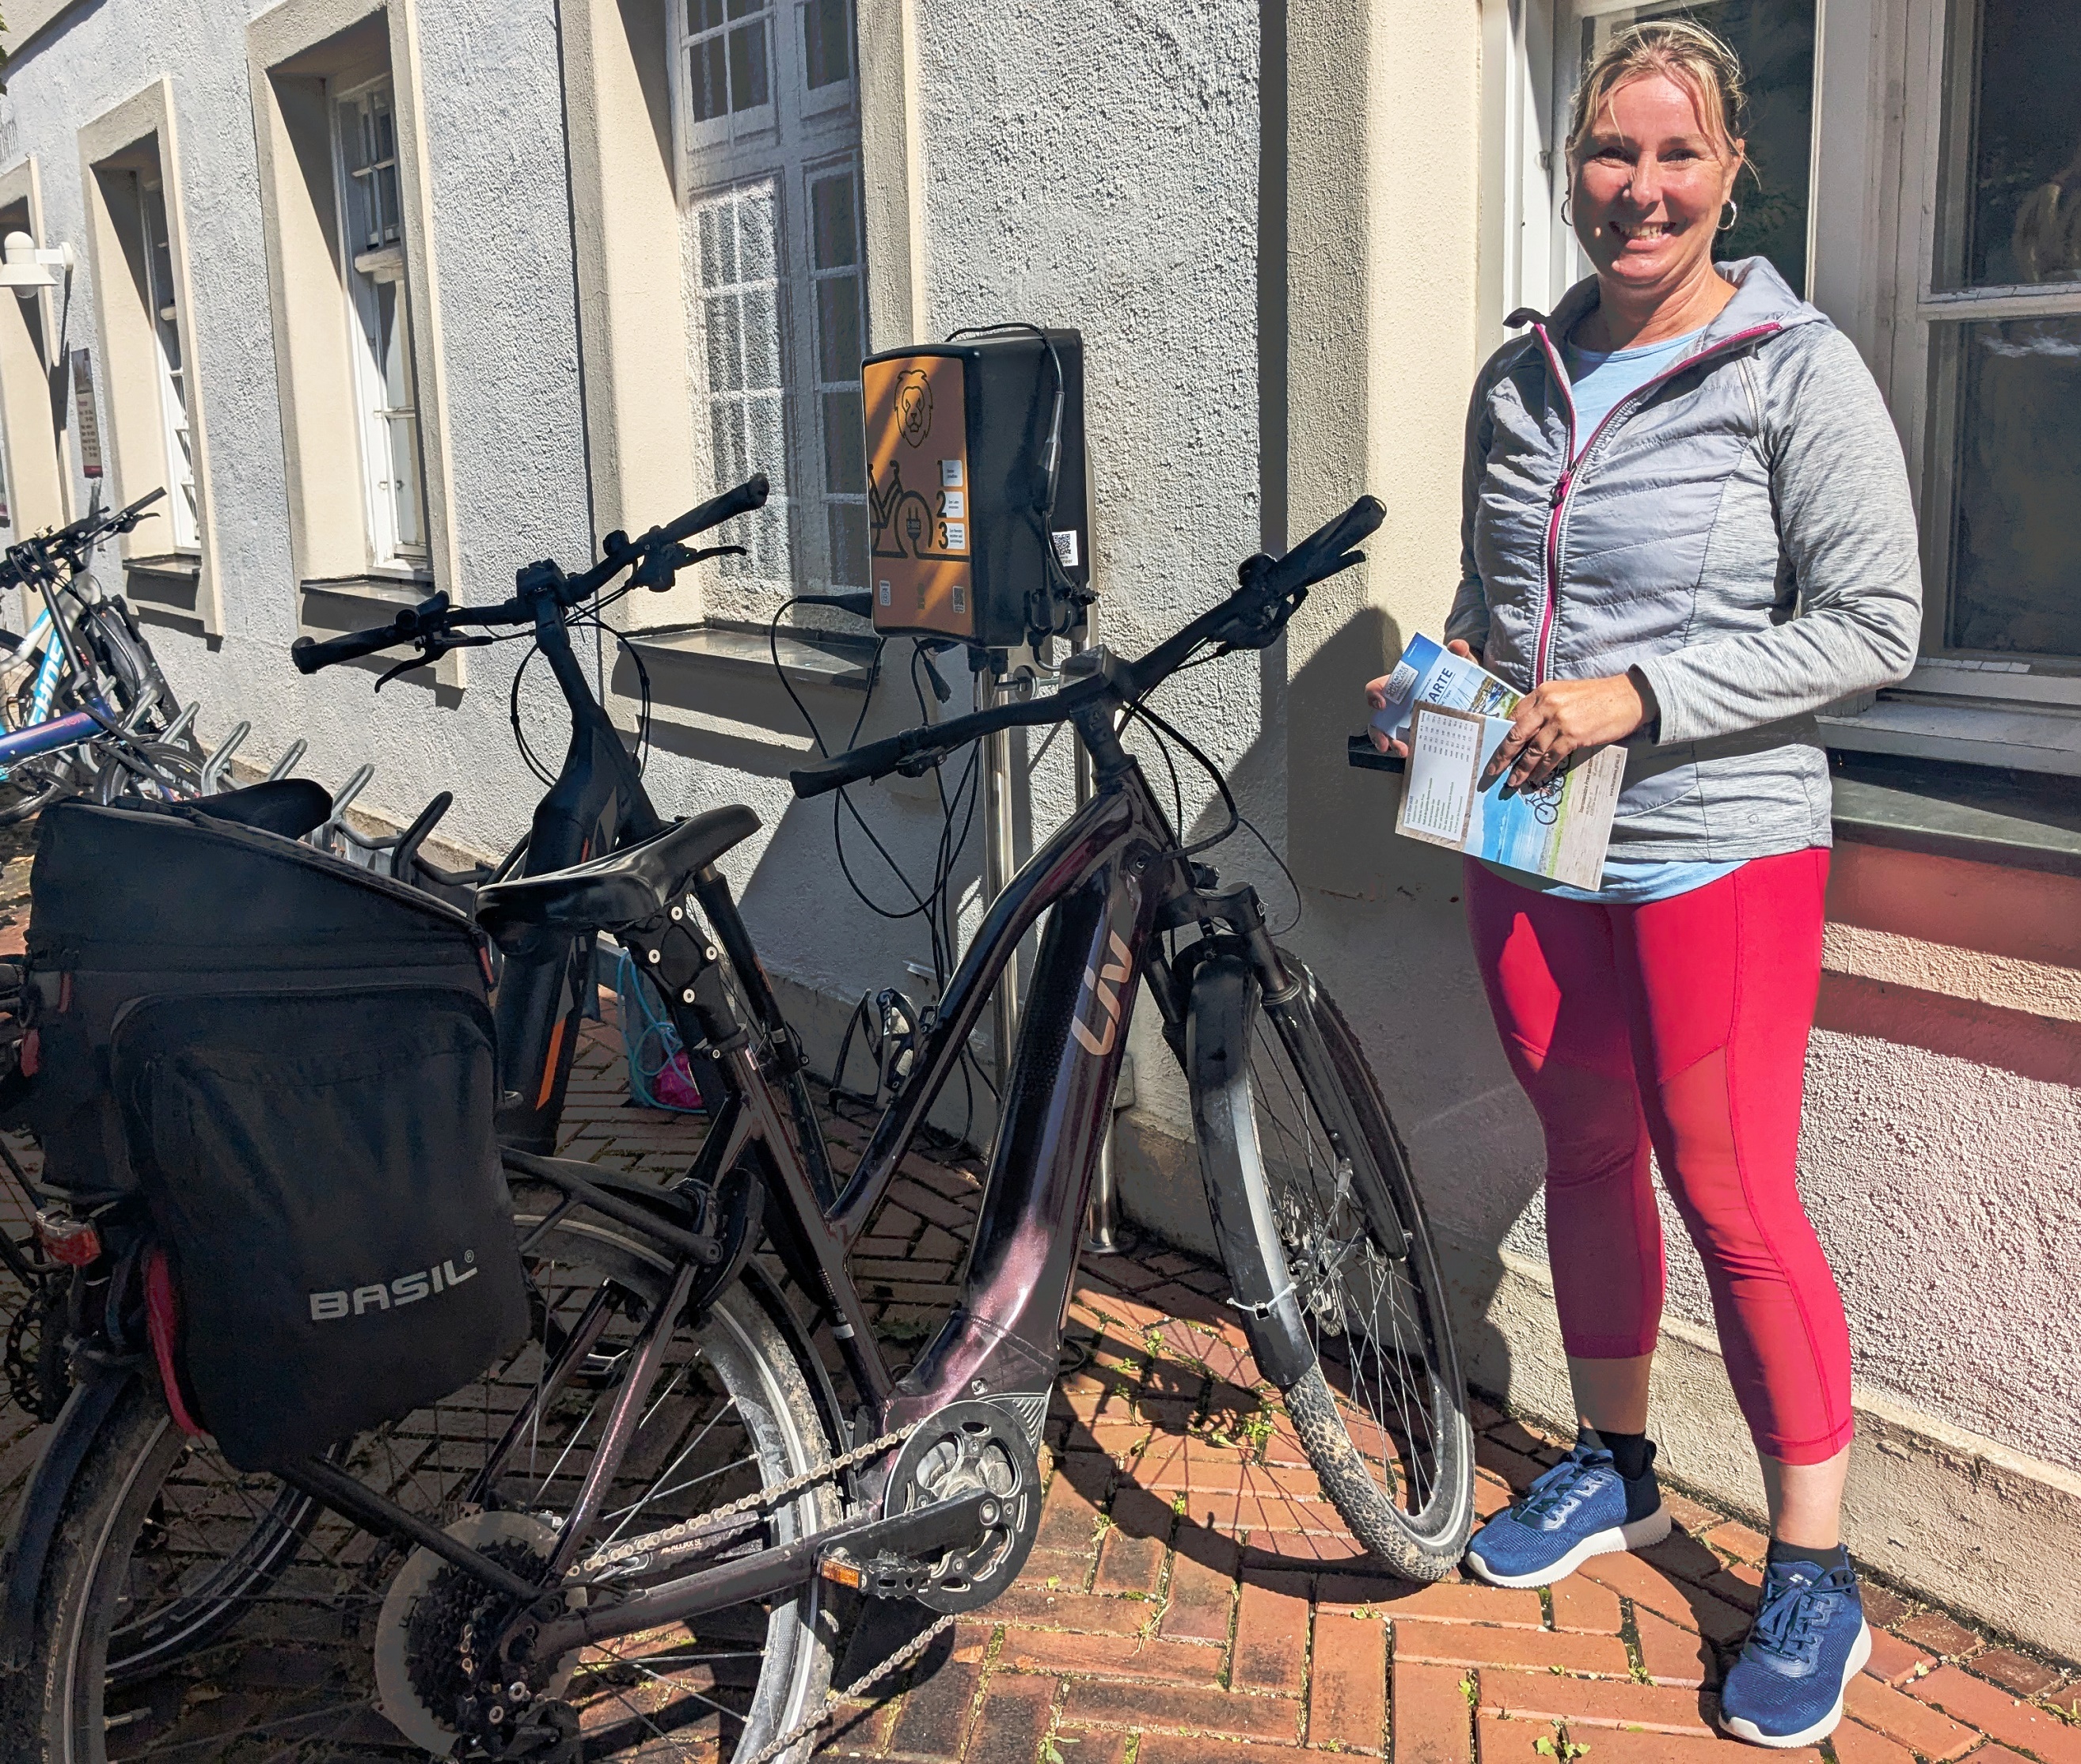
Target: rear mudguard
[(42, 1505), (1219, 1015)]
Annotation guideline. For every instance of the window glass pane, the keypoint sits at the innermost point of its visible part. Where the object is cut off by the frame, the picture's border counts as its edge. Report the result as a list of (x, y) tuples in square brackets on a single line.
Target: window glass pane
[(1775, 39), (2016, 549), (703, 15), (2014, 177), (833, 232), (827, 43), (710, 83), (845, 446), (848, 536), (404, 437), (732, 256), (744, 9), (747, 67), (837, 327)]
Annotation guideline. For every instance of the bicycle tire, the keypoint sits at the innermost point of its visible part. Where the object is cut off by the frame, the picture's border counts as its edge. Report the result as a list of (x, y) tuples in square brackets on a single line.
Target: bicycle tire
[(59, 1709), (177, 776), (1395, 1459)]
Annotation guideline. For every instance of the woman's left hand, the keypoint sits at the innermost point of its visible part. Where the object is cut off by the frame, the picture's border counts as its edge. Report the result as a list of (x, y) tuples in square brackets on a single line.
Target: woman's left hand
[(1563, 717)]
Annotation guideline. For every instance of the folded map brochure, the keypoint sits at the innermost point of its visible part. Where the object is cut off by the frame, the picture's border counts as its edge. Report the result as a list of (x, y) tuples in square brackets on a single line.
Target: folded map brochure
[(1453, 714), (1558, 830), (1428, 675)]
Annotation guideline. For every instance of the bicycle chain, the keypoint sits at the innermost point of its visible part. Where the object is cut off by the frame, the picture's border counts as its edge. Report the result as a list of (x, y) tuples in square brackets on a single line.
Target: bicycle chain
[(662, 1544), (803, 1729)]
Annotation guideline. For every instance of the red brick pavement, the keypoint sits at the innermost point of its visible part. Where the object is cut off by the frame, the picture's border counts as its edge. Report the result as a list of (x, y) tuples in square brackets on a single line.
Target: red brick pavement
[(1193, 1597)]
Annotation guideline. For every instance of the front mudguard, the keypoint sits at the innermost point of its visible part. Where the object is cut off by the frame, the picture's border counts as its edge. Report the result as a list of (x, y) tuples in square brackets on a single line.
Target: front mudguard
[(1221, 1010), (42, 1505)]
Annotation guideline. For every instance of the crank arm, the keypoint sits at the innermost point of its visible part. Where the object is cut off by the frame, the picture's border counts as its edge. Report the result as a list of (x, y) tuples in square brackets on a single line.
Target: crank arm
[(931, 1531)]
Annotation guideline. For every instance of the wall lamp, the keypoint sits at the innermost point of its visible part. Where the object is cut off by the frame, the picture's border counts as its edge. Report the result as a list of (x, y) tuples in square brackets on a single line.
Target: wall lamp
[(27, 268)]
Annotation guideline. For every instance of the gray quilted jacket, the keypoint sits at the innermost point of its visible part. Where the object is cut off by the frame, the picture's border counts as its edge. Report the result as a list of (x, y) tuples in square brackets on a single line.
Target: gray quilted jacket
[(1739, 531)]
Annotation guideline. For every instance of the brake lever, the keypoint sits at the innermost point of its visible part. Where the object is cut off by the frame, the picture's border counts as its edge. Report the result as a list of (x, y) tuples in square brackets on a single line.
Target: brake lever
[(432, 649)]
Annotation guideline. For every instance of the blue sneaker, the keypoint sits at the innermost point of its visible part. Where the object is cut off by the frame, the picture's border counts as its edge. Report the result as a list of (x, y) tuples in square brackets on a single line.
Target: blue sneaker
[(1809, 1641), (1581, 1507)]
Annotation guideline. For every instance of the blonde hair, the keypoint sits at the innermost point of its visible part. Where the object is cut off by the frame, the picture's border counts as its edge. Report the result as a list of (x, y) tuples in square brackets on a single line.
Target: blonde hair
[(1679, 50)]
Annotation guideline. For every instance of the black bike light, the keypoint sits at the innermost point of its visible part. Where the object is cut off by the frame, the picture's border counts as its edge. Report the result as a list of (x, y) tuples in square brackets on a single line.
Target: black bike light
[(977, 522)]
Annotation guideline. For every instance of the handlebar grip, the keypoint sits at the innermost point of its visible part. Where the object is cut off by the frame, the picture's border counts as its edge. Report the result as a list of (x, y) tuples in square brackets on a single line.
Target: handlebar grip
[(859, 763), (1326, 550), (309, 654), (748, 496)]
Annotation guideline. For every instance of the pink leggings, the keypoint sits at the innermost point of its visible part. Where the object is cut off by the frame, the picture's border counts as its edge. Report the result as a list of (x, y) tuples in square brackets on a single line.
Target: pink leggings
[(1680, 1025)]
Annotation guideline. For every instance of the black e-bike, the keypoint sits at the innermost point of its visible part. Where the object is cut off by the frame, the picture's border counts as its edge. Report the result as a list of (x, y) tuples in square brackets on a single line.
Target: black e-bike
[(648, 1530)]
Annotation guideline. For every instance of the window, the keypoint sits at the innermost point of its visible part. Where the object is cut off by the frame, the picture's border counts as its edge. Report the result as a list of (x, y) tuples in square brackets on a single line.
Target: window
[(161, 305), (1999, 318), (372, 244), (768, 143), (358, 362), (156, 437)]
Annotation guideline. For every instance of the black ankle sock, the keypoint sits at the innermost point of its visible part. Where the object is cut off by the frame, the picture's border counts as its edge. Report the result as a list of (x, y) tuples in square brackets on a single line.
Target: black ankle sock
[(1631, 1453), (1781, 1553)]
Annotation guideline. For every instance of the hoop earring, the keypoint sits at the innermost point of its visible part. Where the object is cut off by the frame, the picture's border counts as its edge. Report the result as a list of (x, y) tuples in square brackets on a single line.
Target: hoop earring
[(1567, 220), (1734, 214)]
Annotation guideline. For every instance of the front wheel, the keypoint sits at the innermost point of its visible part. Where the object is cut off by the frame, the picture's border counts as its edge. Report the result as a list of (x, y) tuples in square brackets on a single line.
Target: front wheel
[(1292, 1129)]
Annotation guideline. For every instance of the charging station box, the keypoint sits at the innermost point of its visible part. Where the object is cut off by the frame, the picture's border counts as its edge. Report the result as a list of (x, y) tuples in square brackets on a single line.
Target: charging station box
[(958, 441)]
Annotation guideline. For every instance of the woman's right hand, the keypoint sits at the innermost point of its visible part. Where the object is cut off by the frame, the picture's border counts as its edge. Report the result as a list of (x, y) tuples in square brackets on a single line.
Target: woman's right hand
[(1375, 693)]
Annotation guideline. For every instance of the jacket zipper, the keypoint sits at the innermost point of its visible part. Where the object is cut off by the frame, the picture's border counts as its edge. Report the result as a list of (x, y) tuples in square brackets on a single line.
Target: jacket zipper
[(1550, 605)]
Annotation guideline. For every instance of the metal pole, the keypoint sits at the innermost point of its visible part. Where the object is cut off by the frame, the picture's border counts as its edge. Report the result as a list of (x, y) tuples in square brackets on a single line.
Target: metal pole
[(998, 868), (1104, 1232)]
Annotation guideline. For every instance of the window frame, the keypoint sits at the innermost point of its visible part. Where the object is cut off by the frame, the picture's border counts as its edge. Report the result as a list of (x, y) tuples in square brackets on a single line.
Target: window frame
[(300, 54), (363, 273), (802, 135), (126, 154), (164, 306)]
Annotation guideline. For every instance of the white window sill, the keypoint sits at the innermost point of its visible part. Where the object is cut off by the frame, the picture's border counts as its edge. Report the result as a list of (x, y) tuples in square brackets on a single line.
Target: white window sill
[(2034, 738)]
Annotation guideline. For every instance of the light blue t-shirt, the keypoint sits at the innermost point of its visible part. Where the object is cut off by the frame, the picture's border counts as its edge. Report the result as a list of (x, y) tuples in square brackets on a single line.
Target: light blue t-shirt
[(1600, 383)]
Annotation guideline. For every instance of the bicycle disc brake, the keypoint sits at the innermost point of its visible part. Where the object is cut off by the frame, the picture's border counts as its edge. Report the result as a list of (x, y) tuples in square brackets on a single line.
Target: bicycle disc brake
[(968, 1448)]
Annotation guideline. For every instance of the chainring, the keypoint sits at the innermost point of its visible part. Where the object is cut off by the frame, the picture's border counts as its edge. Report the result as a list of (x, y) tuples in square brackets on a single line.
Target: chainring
[(435, 1618), (964, 1448)]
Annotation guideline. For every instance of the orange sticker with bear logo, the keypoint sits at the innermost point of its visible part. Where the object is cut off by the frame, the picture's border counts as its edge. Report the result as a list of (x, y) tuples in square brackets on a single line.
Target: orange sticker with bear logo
[(918, 517)]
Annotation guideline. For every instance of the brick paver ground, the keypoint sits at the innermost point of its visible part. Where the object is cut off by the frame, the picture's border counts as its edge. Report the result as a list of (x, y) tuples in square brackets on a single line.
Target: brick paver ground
[(1192, 1596)]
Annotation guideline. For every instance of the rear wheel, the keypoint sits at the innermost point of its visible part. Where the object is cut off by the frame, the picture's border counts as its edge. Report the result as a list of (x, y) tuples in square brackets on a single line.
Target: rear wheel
[(1382, 1413), (149, 771), (285, 1633)]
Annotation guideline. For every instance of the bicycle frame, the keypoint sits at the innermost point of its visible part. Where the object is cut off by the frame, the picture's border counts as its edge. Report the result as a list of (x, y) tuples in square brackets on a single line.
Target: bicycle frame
[(1112, 874)]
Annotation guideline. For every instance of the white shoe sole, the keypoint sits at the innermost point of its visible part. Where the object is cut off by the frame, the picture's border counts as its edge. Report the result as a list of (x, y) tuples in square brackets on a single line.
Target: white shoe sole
[(1860, 1651), (1637, 1534)]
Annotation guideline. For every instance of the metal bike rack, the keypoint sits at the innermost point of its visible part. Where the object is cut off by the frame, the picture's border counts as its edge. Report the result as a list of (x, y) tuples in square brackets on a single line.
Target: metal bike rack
[(287, 763), (323, 833), (214, 768), (178, 727)]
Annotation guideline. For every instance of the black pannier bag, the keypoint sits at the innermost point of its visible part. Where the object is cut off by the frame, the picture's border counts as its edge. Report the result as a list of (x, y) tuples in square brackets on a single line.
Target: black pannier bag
[(323, 1173), (287, 1063)]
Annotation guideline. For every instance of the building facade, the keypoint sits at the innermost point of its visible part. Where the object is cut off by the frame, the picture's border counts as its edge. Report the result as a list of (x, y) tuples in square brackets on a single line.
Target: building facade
[(397, 295)]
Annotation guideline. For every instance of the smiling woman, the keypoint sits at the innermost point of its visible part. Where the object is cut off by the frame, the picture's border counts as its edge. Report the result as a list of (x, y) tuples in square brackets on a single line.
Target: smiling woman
[(1686, 528)]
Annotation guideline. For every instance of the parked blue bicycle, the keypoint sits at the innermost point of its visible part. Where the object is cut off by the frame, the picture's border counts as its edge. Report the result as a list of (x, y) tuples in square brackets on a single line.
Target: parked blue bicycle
[(83, 706)]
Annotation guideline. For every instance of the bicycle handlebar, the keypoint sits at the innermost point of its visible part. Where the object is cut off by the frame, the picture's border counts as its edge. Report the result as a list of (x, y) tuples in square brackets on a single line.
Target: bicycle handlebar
[(1250, 618), (309, 654), (434, 618)]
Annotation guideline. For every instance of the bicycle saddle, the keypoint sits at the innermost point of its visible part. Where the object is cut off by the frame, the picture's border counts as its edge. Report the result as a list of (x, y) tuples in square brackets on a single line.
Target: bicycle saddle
[(624, 887), (289, 806)]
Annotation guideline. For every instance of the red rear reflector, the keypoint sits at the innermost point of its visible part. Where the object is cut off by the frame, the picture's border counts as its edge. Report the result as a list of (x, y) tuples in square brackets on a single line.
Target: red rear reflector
[(73, 1241)]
